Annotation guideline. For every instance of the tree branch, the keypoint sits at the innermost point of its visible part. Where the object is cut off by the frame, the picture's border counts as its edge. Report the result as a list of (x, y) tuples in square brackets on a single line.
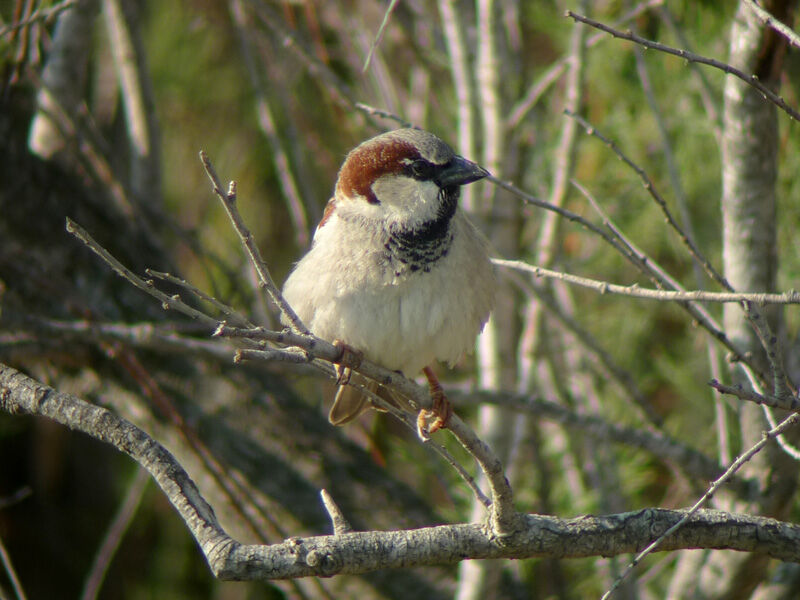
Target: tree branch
[(751, 80), (360, 552), (634, 291)]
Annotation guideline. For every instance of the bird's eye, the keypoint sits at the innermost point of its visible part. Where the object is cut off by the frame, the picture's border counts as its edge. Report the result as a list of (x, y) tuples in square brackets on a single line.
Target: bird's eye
[(421, 169)]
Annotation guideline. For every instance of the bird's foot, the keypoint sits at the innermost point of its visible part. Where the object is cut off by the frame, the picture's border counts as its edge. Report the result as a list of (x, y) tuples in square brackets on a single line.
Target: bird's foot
[(348, 359), (431, 421)]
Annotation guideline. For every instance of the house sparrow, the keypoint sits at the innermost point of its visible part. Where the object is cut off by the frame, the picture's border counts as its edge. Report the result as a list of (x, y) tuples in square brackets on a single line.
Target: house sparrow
[(396, 272)]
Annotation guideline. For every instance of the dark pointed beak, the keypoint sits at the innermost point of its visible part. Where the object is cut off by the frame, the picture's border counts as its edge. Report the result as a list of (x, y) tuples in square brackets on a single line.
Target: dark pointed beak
[(460, 171)]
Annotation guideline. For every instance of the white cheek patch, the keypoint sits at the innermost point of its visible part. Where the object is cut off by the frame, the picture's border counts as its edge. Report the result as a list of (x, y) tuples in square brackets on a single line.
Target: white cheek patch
[(406, 200)]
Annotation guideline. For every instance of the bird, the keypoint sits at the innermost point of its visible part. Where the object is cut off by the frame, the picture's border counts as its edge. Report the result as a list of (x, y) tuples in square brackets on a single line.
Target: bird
[(396, 272)]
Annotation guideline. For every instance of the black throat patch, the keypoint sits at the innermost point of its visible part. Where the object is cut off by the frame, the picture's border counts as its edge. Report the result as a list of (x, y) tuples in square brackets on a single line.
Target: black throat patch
[(411, 249)]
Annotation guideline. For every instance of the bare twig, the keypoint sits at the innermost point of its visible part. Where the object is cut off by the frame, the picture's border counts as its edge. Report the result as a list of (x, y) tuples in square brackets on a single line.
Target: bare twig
[(379, 35), (787, 423), (770, 343), (265, 279), (236, 318), (765, 17), (634, 291), (638, 259), (378, 112), (651, 189), (166, 300), (144, 335), (113, 537), (740, 392), (410, 421), (785, 445), (751, 80)]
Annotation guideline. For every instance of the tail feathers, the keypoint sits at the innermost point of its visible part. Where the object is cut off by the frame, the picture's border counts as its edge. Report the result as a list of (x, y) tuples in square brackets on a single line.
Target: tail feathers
[(350, 402)]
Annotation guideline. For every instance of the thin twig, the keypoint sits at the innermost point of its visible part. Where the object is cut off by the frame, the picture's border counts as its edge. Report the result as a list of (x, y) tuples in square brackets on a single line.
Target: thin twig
[(410, 421), (38, 15), (765, 17), (603, 287), (5, 559), (751, 80), (787, 447), (651, 189), (265, 279), (771, 344), (552, 74), (740, 392), (379, 36), (385, 114), (116, 530), (236, 318), (504, 518), (166, 300), (280, 158), (642, 262), (719, 482)]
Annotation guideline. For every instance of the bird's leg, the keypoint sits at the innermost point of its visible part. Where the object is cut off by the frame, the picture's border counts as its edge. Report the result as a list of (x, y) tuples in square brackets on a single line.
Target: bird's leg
[(441, 409), (349, 359)]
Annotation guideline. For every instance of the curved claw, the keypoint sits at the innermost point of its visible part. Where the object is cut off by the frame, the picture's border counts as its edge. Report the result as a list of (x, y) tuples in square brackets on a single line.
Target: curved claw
[(349, 359), (441, 409)]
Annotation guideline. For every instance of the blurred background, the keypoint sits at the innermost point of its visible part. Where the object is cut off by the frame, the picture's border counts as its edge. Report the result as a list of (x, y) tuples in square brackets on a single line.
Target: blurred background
[(605, 407)]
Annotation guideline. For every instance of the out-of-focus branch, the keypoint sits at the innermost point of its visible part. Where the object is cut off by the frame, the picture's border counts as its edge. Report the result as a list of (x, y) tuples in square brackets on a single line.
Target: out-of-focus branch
[(63, 79), (692, 462), (40, 14), (552, 74), (113, 537), (280, 158), (5, 560), (137, 99)]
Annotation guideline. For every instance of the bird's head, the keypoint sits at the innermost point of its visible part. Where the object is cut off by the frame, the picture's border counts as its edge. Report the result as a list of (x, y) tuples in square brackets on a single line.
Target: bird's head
[(405, 177)]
